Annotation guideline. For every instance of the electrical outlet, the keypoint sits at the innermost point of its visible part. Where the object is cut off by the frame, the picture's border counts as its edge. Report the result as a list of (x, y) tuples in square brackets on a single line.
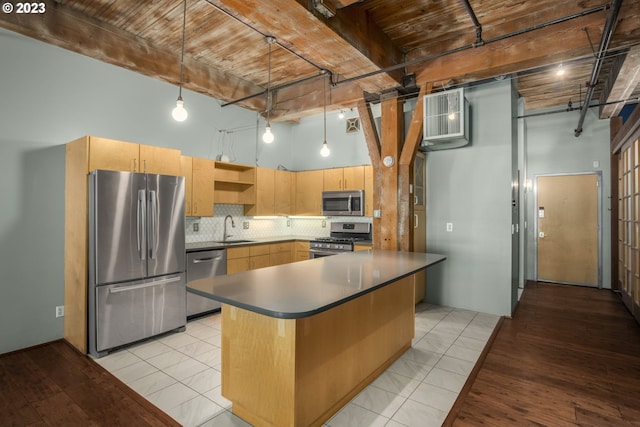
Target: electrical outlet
[(288, 223), (60, 311), (196, 227), (245, 225), (449, 227), (324, 223)]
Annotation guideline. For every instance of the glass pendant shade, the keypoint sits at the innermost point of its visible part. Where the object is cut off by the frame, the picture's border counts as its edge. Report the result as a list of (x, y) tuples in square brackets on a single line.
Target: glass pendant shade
[(267, 137), (179, 113)]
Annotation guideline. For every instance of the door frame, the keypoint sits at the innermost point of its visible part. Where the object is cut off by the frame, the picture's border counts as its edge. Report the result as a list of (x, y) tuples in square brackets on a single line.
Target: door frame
[(535, 222)]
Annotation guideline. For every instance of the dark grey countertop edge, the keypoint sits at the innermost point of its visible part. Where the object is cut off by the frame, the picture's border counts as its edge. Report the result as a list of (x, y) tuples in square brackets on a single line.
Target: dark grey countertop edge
[(309, 313)]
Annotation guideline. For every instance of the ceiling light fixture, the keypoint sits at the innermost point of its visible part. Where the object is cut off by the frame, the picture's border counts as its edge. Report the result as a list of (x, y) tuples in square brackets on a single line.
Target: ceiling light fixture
[(268, 136), (560, 71), (324, 151), (179, 113), (341, 114)]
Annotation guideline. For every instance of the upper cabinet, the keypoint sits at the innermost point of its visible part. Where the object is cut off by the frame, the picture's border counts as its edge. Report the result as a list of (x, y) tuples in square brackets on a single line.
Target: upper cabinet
[(274, 193), (309, 186), (111, 154), (186, 170), (198, 175), (349, 178), (234, 184)]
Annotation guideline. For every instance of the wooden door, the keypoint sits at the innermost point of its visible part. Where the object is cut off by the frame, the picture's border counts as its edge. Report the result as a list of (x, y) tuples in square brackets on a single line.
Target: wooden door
[(567, 214), (186, 169), (309, 186), (283, 195), (203, 187), (113, 155), (353, 178)]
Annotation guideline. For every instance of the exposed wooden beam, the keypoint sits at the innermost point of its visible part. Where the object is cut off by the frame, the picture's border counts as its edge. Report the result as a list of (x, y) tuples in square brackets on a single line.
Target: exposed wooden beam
[(295, 25), (368, 127), (65, 28), (392, 134), (405, 174), (622, 84), (566, 40)]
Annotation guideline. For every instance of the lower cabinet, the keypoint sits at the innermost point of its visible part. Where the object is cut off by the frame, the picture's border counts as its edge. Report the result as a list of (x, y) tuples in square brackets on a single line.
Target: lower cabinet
[(301, 250), (251, 257)]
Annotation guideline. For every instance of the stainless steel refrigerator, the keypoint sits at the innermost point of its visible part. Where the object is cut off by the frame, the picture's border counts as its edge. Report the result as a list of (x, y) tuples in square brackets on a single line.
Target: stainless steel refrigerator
[(136, 258)]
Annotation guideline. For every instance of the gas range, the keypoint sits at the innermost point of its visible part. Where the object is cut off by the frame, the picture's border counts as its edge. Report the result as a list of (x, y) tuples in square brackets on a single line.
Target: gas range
[(343, 237)]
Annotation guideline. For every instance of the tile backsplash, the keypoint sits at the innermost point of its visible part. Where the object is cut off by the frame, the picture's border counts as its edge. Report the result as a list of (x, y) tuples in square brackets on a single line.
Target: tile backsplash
[(212, 228)]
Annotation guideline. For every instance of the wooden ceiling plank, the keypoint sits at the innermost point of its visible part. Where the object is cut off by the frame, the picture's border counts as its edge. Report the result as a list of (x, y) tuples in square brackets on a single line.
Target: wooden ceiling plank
[(624, 84), (65, 28), (294, 26)]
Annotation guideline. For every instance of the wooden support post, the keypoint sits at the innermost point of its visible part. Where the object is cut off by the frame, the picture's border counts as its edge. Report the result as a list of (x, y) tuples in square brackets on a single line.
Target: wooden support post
[(392, 185)]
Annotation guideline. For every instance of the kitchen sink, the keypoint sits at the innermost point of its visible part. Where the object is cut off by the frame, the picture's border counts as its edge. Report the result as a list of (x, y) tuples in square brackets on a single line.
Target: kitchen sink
[(235, 241)]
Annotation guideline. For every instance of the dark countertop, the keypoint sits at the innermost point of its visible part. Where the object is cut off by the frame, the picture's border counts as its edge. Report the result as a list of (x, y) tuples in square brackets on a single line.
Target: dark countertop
[(304, 288), (205, 246)]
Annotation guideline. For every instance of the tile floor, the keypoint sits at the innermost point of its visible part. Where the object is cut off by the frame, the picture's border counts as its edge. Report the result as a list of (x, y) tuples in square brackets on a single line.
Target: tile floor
[(180, 373)]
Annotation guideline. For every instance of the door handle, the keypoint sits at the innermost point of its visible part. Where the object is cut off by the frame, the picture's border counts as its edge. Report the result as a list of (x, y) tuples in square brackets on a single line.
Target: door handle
[(200, 260), (144, 285), (142, 224), (153, 226), (415, 216)]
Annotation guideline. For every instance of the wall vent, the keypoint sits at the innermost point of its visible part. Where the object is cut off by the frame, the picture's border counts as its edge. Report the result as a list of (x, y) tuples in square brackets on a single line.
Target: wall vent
[(446, 121)]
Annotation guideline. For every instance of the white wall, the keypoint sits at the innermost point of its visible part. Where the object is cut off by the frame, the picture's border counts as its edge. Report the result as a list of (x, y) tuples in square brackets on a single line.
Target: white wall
[(552, 148), (471, 188)]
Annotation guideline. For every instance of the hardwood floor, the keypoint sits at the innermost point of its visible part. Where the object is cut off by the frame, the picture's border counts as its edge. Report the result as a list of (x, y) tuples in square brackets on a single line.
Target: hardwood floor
[(569, 357), (54, 385)]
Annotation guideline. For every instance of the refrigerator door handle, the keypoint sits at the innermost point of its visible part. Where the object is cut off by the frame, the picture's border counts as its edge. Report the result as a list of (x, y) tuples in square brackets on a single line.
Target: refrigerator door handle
[(144, 285), (153, 226), (142, 224)]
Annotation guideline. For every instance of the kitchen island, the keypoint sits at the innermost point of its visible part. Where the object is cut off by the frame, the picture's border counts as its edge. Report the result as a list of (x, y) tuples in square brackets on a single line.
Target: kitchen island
[(300, 340)]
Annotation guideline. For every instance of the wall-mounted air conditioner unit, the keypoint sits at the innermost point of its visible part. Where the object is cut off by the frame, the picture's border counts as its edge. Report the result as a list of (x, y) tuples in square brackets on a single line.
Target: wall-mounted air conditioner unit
[(446, 121)]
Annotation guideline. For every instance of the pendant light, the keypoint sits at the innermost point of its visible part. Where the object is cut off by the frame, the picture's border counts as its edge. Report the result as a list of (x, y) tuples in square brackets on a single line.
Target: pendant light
[(324, 151), (179, 113), (268, 137)]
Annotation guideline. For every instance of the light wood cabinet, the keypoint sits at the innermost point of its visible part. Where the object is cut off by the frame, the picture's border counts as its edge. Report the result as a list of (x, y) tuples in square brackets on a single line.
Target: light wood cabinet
[(186, 170), (309, 187), (198, 175), (349, 178), (301, 250), (280, 253), (274, 193), (203, 187), (111, 154), (361, 247), (234, 184)]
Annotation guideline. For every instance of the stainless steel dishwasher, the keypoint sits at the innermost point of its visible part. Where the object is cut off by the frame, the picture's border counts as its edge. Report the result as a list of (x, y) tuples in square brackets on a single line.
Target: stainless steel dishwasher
[(201, 264)]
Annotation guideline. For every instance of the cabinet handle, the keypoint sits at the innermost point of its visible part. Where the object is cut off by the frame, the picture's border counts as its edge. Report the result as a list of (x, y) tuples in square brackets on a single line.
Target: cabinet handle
[(345, 185), (415, 224), (415, 200), (145, 166), (135, 165), (195, 207)]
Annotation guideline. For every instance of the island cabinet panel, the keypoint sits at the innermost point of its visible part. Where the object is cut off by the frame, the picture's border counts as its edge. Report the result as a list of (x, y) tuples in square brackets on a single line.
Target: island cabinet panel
[(309, 187), (299, 372)]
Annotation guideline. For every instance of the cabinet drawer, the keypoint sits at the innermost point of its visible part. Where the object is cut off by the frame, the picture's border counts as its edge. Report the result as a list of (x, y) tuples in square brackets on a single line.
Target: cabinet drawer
[(259, 250), (301, 245), (260, 261), (237, 265), (302, 256), (280, 258), (240, 252), (280, 247)]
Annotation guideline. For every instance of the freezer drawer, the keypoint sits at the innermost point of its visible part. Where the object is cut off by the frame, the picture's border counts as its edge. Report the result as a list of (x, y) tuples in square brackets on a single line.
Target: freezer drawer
[(132, 311)]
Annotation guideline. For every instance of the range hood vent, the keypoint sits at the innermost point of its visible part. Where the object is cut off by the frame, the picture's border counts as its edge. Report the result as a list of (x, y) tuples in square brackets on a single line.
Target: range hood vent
[(446, 121)]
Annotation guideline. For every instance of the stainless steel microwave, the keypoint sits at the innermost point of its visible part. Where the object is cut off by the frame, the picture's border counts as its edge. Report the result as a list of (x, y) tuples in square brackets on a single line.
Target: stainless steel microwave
[(343, 203)]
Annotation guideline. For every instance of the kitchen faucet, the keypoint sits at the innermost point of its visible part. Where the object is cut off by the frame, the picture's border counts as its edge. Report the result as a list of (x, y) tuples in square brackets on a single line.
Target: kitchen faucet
[(233, 225)]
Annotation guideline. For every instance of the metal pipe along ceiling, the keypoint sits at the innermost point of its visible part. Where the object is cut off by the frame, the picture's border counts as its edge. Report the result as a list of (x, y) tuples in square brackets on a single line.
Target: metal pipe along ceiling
[(476, 23), (607, 33)]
